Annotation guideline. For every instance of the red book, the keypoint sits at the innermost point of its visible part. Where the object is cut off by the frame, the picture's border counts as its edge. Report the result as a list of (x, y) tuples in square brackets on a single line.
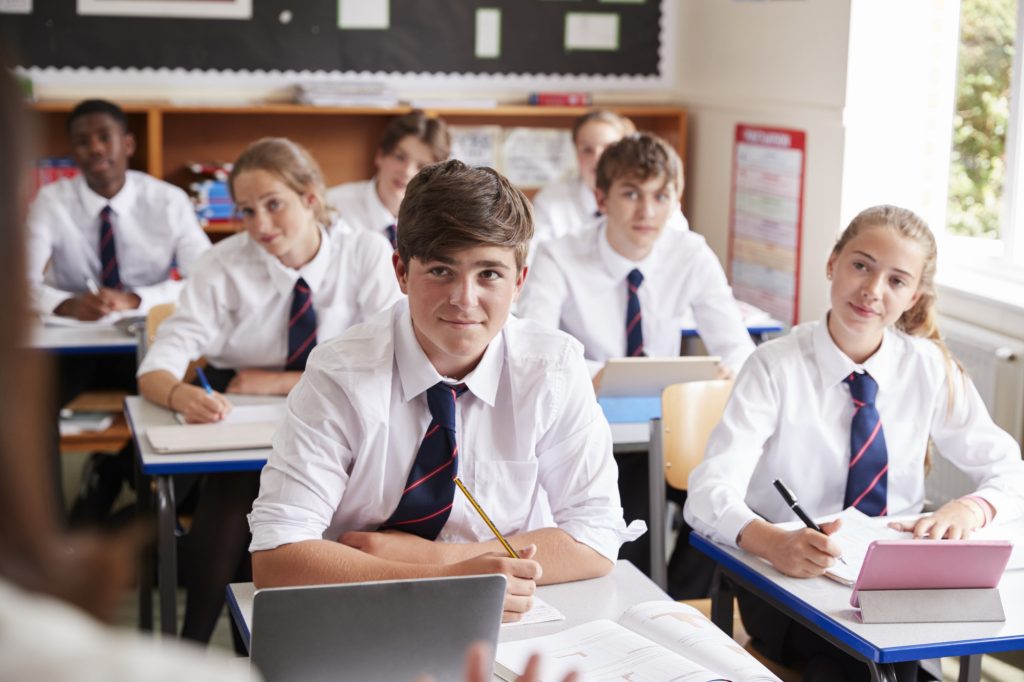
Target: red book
[(560, 99)]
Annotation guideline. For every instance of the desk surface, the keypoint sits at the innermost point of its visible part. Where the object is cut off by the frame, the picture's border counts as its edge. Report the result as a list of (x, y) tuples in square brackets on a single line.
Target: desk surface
[(617, 591), (142, 414), (78, 340), (827, 604)]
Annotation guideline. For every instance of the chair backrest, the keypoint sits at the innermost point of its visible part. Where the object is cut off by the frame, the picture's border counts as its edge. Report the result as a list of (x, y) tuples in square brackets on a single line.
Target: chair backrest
[(154, 317), (689, 412)]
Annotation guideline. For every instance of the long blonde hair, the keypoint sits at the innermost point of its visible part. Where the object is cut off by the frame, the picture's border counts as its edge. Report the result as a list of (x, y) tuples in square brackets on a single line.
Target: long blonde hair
[(290, 162), (920, 320)]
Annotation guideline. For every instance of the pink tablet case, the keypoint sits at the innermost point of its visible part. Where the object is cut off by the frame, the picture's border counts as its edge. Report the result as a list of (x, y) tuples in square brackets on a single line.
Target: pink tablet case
[(932, 564)]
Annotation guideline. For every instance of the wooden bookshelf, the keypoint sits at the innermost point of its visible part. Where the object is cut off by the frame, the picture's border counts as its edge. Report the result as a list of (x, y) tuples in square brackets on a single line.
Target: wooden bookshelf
[(342, 139)]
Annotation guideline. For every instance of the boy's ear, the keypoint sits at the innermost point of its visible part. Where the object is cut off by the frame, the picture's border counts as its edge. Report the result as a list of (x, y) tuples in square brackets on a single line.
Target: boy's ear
[(129, 145), (401, 272), (601, 197)]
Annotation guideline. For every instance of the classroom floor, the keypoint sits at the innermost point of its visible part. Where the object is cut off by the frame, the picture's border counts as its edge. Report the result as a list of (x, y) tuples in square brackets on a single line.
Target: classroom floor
[(1004, 667)]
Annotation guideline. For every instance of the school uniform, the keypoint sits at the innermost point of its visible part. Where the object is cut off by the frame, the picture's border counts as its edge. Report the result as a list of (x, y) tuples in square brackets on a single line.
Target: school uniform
[(579, 284), (570, 207), (361, 207), (236, 310), (533, 445), (790, 417), (154, 229)]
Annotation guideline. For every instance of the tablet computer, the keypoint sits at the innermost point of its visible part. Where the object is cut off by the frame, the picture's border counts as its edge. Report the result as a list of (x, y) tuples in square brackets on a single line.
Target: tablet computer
[(638, 377), (931, 564)]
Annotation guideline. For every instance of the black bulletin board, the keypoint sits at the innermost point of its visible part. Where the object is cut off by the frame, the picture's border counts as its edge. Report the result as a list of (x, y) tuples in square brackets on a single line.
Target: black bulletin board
[(425, 36)]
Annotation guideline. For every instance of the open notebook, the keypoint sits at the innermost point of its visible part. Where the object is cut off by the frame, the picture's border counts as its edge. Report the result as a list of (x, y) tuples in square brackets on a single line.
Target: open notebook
[(246, 427), (655, 640)]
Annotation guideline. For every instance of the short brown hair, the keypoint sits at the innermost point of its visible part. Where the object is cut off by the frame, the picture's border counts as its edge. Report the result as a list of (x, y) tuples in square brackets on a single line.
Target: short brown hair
[(620, 123), (451, 206), (431, 131), (290, 162), (641, 156)]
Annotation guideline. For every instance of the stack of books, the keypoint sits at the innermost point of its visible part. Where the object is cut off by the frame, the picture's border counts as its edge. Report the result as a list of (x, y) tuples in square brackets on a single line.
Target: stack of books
[(52, 168), (346, 94), (210, 194)]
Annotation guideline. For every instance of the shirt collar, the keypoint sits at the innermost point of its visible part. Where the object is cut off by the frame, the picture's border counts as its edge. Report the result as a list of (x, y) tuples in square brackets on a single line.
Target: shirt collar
[(284, 278), (120, 203), (615, 264), (417, 374), (379, 213), (834, 365)]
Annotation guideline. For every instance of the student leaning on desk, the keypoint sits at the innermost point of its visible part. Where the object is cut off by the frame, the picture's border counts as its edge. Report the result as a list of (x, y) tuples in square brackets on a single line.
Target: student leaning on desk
[(359, 484), (255, 306), (843, 410)]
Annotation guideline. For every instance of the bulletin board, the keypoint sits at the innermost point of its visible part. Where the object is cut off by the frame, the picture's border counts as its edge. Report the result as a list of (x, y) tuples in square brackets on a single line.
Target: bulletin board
[(617, 39), (766, 218)]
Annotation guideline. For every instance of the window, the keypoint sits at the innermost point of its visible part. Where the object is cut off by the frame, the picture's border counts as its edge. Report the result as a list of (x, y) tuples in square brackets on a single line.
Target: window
[(986, 184)]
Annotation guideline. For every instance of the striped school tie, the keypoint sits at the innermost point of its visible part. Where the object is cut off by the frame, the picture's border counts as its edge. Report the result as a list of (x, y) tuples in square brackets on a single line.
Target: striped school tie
[(634, 327), (301, 327), (869, 462), (110, 275), (430, 489), (391, 232)]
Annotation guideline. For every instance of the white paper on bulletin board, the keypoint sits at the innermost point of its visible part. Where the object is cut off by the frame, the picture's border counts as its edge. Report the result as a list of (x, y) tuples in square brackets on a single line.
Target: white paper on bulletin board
[(534, 157), (767, 218), (477, 145)]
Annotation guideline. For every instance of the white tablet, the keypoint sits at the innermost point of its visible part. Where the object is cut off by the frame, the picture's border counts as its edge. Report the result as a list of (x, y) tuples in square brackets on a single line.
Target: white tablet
[(640, 377)]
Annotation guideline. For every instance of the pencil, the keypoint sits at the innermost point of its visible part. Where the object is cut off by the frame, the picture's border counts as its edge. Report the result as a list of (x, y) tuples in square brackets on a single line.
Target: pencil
[(490, 524)]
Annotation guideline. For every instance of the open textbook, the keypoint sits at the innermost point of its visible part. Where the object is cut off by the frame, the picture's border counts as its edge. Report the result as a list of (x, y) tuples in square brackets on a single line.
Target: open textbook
[(654, 640), (859, 530)]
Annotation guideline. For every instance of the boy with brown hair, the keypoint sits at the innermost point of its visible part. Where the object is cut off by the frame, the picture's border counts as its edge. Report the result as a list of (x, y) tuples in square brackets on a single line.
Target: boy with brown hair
[(360, 483), (409, 143)]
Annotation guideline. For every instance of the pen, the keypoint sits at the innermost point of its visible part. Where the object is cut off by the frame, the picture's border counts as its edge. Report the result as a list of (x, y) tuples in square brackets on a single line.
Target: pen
[(791, 502), (479, 510), (91, 285), (205, 383)]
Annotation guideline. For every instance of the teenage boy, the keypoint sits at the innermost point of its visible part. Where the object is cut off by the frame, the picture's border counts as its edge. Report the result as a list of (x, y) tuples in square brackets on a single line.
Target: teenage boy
[(360, 482), (627, 289), (111, 236), (101, 242), (409, 143)]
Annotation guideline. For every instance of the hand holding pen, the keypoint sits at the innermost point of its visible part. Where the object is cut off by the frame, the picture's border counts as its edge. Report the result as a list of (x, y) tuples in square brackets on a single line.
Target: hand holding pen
[(791, 502), (198, 404)]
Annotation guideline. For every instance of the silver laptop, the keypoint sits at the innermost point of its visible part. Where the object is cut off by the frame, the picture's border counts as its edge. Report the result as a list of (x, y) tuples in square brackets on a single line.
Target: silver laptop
[(389, 630)]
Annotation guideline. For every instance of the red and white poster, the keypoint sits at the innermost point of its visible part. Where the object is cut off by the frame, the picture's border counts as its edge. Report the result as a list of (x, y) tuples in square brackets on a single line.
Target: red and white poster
[(767, 218)]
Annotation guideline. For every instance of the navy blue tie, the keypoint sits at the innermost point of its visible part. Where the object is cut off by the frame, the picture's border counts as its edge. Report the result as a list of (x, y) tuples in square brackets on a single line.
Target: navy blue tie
[(430, 489), (392, 234), (866, 480), (110, 275), (301, 327), (634, 328)]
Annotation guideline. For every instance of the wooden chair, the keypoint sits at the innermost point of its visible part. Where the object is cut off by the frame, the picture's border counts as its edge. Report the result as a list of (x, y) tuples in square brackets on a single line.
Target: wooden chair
[(156, 315)]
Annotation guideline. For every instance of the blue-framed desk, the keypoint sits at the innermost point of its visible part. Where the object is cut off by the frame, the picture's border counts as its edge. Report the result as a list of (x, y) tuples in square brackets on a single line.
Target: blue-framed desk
[(824, 607), (82, 340), (619, 590), (142, 414)]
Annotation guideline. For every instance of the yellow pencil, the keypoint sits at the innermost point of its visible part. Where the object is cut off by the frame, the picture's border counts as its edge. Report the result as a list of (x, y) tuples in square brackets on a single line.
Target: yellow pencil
[(483, 515)]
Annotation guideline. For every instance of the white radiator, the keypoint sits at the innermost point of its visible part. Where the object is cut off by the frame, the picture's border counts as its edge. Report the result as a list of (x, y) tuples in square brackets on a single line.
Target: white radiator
[(995, 364)]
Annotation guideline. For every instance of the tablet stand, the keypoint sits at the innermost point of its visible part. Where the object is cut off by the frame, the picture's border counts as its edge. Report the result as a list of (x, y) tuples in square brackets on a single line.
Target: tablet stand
[(959, 605)]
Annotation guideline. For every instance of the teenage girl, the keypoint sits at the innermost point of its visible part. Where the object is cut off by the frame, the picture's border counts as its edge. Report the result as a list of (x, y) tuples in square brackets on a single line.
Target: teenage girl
[(255, 306), (843, 410)]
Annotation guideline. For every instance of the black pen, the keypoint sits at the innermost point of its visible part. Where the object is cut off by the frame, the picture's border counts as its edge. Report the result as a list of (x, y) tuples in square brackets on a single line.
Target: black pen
[(791, 502)]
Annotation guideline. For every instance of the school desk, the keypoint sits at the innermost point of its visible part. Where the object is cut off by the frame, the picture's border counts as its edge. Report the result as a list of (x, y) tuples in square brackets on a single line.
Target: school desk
[(619, 590), (82, 340), (823, 606), (141, 415)]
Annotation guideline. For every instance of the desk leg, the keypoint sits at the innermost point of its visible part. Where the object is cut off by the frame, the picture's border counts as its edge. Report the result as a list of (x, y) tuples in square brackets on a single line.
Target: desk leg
[(656, 492), (970, 668), (168, 555), (882, 672), (144, 508), (723, 597)]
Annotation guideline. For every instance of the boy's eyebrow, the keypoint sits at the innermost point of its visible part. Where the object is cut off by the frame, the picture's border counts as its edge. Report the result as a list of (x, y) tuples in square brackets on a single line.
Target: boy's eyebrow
[(448, 260)]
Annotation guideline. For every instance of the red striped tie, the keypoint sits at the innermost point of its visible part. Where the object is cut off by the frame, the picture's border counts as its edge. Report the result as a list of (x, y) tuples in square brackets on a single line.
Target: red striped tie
[(867, 479), (301, 327), (110, 275)]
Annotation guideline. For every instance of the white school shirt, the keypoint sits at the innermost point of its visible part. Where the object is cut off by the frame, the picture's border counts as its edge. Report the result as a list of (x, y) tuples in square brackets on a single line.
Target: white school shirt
[(570, 207), (359, 206), (534, 446), (155, 225), (47, 639), (235, 307), (578, 284), (789, 418)]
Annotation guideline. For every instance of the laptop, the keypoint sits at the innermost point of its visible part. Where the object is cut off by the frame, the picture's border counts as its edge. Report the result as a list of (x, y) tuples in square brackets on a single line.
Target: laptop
[(388, 630), (643, 377)]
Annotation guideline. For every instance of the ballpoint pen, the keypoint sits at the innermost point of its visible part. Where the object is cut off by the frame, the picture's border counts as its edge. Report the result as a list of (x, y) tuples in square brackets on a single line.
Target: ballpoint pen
[(791, 502), (203, 381), (483, 515), (91, 285)]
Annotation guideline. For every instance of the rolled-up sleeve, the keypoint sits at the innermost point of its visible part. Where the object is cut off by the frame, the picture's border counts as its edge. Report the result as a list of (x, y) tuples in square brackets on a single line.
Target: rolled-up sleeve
[(578, 472), (308, 471)]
